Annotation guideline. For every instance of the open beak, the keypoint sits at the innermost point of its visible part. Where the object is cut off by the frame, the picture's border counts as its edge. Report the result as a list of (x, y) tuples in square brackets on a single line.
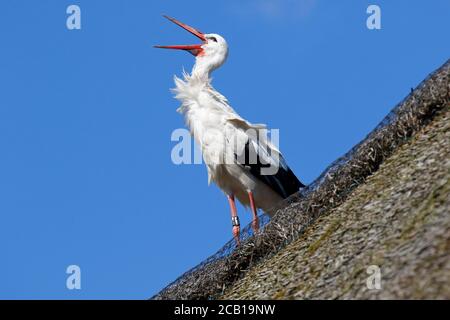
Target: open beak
[(194, 49)]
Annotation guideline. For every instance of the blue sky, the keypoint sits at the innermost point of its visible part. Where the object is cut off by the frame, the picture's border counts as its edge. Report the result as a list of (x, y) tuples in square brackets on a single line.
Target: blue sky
[(86, 117)]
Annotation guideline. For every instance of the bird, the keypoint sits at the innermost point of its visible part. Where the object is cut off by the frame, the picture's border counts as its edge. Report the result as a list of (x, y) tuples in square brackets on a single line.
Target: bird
[(239, 157)]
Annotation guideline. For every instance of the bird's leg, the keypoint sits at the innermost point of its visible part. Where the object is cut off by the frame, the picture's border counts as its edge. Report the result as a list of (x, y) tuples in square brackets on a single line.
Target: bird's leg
[(234, 219), (255, 222)]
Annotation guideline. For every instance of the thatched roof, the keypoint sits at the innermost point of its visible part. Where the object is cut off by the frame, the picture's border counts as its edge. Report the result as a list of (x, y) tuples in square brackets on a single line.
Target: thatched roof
[(398, 220)]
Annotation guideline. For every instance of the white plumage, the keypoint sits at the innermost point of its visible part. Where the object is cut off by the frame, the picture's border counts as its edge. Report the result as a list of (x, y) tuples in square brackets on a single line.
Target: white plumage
[(215, 126), (236, 152)]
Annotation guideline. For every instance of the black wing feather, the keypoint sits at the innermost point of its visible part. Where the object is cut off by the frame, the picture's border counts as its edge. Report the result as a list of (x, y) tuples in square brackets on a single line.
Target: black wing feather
[(284, 182)]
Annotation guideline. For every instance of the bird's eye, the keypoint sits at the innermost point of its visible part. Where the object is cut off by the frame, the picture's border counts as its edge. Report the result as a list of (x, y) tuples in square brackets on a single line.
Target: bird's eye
[(213, 39)]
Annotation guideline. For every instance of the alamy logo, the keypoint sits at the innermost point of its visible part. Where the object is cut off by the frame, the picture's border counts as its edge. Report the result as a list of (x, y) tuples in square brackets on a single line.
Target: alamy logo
[(373, 282), (255, 148), (374, 20), (73, 21), (74, 279)]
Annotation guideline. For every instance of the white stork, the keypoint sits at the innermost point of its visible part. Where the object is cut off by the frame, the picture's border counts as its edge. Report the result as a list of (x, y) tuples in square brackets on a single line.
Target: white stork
[(234, 150)]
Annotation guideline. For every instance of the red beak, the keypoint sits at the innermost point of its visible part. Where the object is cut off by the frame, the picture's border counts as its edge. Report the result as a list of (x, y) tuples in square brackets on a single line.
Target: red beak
[(195, 49)]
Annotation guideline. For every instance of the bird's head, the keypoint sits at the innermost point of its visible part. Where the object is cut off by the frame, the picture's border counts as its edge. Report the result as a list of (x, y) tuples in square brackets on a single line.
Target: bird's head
[(209, 55)]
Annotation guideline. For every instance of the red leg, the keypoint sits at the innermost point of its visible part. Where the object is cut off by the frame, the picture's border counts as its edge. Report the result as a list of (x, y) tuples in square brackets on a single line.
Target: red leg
[(255, 222), (234, 219)]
